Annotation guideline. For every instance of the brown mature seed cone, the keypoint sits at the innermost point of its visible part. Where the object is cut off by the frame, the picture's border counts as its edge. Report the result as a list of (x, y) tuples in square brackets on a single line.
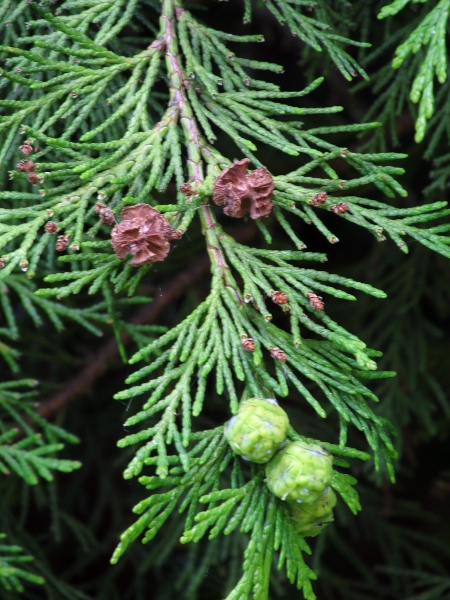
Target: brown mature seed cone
[(143, 232), (240, 192)]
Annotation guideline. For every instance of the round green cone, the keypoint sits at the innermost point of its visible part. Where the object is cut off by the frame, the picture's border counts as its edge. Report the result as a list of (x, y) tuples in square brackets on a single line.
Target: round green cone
[(300, 472), (258, 429), (310, 519)]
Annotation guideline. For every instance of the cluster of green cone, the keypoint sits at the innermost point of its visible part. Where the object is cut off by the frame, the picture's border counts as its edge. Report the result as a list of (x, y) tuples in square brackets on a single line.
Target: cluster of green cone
[(297, 472)]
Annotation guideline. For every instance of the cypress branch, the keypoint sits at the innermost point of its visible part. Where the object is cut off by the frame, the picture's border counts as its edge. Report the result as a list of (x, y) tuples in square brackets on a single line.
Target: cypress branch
[(129, 146)]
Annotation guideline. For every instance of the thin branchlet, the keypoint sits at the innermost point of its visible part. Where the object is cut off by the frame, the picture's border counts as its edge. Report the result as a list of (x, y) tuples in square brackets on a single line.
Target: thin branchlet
[(117, 160)]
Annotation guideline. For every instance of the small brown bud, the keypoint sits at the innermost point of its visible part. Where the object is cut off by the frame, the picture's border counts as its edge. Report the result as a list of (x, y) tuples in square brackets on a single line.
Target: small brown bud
[(61, 243), (3, 260), (26, 148), (73, 94), (25, 166), (318, 199), (247, 343), (315, 301), (51, 227), (240, 192), (107, 216), (278, 354), (24, 266), (279, 297), (34, 178), (187, 189), (340, 208), (143, 232)]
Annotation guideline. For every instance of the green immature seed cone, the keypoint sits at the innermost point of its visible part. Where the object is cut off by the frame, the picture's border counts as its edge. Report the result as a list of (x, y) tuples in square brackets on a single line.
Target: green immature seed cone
[(258, 429), (310, 519), (300, 472)]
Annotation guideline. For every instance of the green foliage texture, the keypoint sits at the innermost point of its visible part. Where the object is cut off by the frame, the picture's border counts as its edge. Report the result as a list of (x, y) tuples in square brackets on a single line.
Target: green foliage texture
[(120, 102)]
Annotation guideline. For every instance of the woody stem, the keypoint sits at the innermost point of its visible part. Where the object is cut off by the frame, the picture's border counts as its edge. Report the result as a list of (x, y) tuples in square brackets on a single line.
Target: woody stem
[(212, 233), (171, 11)]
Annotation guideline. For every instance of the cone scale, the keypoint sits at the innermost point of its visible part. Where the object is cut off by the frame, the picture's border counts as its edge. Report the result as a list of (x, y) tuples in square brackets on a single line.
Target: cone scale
[(258, 429), (300, 472)]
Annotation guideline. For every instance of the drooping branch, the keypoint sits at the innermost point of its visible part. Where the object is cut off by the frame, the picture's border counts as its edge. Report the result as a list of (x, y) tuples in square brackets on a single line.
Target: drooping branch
[(102, 360)]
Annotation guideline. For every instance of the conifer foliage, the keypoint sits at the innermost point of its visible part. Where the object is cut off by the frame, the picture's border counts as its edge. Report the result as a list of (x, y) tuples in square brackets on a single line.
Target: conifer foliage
[(126, 127)]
